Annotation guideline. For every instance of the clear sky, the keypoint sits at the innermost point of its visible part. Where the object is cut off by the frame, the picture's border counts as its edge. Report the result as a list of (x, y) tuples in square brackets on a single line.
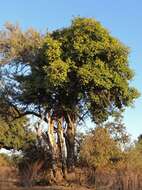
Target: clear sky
[(123, 18)]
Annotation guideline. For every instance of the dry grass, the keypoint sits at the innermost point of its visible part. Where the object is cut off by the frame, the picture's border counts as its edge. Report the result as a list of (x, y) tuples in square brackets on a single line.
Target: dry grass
[(47, 188), (79, 180), (3, 162)]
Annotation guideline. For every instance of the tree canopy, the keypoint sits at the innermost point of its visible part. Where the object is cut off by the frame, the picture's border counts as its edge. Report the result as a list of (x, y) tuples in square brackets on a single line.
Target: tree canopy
[(80, 68)]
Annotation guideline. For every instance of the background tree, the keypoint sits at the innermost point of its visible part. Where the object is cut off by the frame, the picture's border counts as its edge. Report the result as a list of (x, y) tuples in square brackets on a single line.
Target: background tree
[(15, 135), (98, 148), (117, 130)]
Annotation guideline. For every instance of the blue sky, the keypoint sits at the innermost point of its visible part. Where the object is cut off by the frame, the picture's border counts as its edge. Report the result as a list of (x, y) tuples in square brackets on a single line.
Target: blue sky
[(122, 18)]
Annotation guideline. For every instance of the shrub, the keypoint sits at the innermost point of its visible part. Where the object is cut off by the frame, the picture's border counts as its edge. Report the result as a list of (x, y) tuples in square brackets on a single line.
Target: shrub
[(98, 148)]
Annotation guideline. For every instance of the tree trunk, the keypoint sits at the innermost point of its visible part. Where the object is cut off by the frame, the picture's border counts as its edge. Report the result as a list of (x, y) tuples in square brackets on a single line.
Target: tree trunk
[(49, 140), (61, 142), (52, 143), (70, 143)]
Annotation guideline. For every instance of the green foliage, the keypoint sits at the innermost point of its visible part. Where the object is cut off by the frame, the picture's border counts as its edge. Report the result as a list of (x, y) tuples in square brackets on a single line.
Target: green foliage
[(98, 68), (15, 134), (80, 69), (56, 73)]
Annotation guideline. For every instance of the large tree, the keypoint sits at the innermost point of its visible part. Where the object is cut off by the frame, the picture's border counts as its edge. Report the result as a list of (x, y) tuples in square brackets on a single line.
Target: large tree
[(68, 74)]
